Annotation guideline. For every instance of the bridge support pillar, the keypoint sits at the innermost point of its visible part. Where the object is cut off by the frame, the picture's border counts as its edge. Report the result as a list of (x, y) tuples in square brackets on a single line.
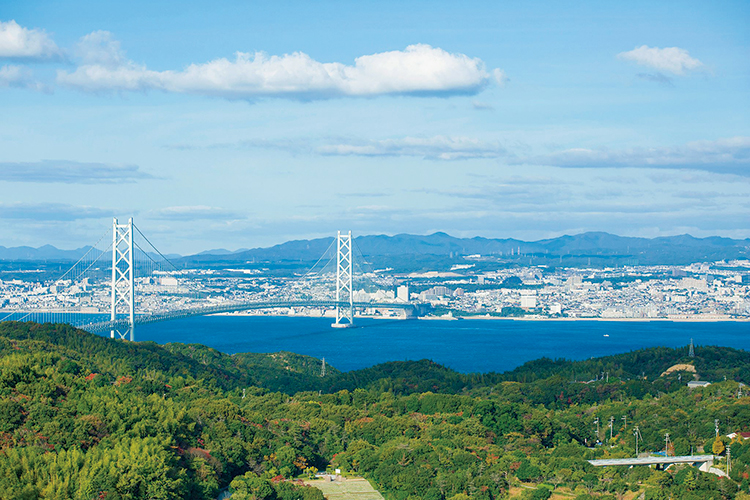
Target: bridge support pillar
[(344, 290), (123, 289)]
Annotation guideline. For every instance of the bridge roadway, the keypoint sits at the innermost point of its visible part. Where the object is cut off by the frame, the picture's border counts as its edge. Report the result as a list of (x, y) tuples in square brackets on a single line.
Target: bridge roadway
[(416, 308), (685, 459)]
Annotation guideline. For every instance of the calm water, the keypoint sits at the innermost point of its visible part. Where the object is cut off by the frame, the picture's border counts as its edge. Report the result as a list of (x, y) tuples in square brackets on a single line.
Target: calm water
[(464, 345)]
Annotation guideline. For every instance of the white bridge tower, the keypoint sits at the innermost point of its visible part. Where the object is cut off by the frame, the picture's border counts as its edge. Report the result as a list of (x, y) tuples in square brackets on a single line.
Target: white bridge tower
[(344, 290), (123, 290)]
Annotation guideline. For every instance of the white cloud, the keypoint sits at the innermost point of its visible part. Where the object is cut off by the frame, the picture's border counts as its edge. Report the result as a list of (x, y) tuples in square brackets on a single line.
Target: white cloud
[(482, 106), (99, 48), (671, 59), (195, 212), (13, 76), (419, 69), (19, 77), (500, 77), (18, 42), (731, 155), (433, 148), (50, 212), (69, 172)]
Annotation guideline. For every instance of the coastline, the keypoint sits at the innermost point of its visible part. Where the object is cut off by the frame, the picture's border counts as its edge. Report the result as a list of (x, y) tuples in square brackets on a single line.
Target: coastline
[(508, 318), (613, 320)]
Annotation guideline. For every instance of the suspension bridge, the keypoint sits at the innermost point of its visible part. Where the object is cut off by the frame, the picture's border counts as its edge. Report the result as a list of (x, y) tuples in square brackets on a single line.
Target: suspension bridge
[(126, 281)]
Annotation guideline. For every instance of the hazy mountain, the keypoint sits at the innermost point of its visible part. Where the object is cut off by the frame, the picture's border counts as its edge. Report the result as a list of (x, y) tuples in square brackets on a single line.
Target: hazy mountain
[(594, 246), (221, 251), (48, 252)]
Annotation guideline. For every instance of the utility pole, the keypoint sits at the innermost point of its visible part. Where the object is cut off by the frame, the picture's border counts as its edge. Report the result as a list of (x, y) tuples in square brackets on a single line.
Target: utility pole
[(611, 427), (716, 425), (666, 444), (624, 418), (637, 434), (323, 368), (596, 422), (729, 459)]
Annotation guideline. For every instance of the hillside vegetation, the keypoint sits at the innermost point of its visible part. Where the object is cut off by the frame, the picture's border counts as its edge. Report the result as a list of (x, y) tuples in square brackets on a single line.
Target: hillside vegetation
[(82, 417)]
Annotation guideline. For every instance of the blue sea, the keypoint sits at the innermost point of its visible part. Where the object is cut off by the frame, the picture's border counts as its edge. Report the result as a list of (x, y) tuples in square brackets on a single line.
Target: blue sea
[(467, 346)]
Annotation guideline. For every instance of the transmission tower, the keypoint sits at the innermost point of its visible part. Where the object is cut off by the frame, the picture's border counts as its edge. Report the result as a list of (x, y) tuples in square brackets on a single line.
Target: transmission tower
[(123, 290), (691, 352), (344, 290)]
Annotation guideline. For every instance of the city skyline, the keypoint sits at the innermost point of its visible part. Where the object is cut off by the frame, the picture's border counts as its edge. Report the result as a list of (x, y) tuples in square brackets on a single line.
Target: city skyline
[(245, 126)]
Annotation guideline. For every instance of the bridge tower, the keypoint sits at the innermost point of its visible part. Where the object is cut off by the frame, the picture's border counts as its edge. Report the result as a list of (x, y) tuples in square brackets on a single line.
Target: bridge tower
[(344, 290), (123, 289)]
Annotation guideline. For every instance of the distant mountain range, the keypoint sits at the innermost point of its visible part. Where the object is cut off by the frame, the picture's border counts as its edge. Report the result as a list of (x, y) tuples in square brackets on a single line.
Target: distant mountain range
[(591, 246), (46, 252), (50, 253)]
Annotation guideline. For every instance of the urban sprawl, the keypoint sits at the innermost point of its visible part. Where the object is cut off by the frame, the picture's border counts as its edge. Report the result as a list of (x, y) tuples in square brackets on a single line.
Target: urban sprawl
[(703, 291)]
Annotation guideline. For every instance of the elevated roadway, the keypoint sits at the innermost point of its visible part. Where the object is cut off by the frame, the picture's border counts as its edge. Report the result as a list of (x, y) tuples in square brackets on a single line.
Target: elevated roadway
[(413, 309), (661, 462)]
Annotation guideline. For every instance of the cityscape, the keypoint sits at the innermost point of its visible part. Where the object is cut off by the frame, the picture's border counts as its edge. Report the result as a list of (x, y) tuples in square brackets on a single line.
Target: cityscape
[(700, 292)]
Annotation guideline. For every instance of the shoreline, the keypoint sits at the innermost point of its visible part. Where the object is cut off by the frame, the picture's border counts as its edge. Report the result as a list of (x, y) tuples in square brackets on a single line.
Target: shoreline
[(613, 320), (506, 318)]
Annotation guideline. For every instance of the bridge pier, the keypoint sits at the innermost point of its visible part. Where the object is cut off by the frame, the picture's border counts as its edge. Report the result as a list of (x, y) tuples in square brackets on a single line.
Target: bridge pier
[(344, 273), (123, 285)]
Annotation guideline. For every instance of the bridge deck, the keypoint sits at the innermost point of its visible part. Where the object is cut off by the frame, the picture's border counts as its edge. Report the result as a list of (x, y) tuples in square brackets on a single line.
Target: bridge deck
[(242, 306), (685, 459)]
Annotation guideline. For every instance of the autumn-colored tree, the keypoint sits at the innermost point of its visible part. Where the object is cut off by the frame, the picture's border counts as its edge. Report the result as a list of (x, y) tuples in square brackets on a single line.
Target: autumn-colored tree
[(718, 447)]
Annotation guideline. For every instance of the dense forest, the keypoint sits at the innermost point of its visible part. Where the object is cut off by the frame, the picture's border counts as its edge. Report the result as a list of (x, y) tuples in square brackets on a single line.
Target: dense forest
[(84, 417)]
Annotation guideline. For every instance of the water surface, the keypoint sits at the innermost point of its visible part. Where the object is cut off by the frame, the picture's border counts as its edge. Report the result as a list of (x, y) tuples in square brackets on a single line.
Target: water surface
[(464, 345)]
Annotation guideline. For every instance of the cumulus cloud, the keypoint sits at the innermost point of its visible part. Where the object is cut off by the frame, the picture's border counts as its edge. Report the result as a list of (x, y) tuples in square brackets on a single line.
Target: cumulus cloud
[(433, 148), (50, 212), (731, 156), (195, 212), (12, 76), (69, 172), (419, 70), (17, 42), (500, 77), (672, 60), (100, 48)]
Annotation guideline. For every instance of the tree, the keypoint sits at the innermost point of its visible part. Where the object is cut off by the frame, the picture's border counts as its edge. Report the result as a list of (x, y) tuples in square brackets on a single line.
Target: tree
[(563, 475), (718, 447), (589, 481), (689, 482)]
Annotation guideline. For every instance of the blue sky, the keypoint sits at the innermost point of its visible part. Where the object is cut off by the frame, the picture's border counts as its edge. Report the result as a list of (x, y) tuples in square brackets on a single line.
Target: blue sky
[(240, 124)]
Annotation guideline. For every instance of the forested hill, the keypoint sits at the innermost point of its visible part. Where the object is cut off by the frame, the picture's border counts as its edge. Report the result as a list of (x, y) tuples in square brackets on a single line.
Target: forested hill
[(711, 364), (290, 373), (102, 355), (86, 417)]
